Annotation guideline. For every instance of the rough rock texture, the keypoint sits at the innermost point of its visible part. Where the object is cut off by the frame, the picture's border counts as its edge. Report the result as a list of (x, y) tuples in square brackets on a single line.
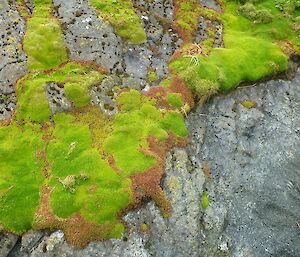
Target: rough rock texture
[(211, 4), (89, 37), (12, 58), (58, 102), (7, 241), (254, 158), (248, 161), (105, 94)]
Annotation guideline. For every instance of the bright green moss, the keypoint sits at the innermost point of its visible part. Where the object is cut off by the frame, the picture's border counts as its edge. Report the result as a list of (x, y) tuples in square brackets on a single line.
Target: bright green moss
[(248, 104), (174, 122), (131, 129), (32, 102), (174, 100), (248, 58), (43, 41), (83, 182), (117, 231), (4, 97), (99, 124), (139, 119), (250, 52), (187, 18), (205, 200), (159, 133), (144, 227), (121, 15), (201, 87), (68, 153), (165, 83), (20, 175), (77, 93), (152, 76), (130, 100)]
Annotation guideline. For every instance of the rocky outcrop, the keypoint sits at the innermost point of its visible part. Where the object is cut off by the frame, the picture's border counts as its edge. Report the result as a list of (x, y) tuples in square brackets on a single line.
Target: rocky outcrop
[(247, 159), (244, 147), (12, 58)]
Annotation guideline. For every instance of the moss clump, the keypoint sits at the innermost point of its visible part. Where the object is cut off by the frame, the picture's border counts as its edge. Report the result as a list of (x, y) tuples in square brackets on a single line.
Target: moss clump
[(75, 169), (165, 83), (131, 128), (288, 6), (21, 175), (144, 227), (4, 97), (205, 200), (77, 93), (249, 50), (174, 122), (121, 15), (152, 76), (174, 100), (259, 16), (248, 104), (32, 102), (228, 66), (202, 87), (99, 124), (187, 18), (139, 119), (43, 41)]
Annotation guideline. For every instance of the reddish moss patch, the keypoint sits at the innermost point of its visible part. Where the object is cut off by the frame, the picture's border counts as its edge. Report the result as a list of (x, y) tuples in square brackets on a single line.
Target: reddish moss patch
[(146, 185), (186, 19), (77, 230), (160, 93)]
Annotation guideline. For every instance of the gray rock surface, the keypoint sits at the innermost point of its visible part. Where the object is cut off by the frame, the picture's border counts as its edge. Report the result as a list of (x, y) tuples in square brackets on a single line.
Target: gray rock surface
[(247, 159), (55, 94), (12, 58), (89, 37), (7, 241), (105, 94), (254, 157), (211, 4)]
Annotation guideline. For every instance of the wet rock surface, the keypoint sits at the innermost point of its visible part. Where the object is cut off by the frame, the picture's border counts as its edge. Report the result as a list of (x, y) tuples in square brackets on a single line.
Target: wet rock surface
[(12, 58), (247, 160)]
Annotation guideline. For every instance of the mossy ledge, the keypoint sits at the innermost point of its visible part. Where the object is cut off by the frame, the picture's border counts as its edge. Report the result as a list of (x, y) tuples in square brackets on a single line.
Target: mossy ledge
[(81, 171)]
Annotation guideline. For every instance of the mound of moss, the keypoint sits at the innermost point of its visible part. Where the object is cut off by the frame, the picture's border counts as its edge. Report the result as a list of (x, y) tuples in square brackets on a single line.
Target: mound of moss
[(82, 181), (252, 47), (43, 41), (21, 174), (77, 78)]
